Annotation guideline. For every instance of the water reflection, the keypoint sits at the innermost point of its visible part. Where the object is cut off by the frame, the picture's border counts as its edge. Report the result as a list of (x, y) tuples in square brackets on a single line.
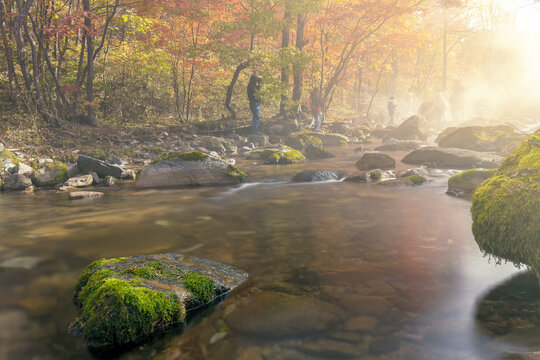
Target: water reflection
[(338, 270)]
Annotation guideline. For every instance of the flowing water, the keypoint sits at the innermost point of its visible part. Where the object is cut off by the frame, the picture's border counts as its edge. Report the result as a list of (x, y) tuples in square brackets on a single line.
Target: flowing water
[(398, 267)]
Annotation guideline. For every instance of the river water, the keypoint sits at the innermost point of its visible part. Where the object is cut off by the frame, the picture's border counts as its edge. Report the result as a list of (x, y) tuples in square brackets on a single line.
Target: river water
[(397, 267)]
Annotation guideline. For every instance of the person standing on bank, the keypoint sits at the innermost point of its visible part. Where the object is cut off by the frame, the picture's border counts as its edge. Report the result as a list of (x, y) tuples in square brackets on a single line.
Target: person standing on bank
[(254, 101), (315, 103)]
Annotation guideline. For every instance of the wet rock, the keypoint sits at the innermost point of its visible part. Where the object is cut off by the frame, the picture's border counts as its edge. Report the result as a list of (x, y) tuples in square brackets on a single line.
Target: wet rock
[(16, 182), (414, 128), (468, 181), (286, 155), (450, 158), (80, 195), (73, 170), (273, 314), (126, 300), (339, 127), (95, 177), (316, 176), (25, 170), (409, 172), (376, 306), (54, 173), (479, 138), (188, 169), (314, 153), (87, 164), (259, 140), (411, 180), (128, 174), (370, 161), (80, 181), (262, 154), (109, 181), (400, 145), (302, 141)]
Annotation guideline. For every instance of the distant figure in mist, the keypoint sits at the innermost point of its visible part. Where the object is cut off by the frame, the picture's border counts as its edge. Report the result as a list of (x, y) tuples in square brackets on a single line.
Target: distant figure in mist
[(253, 87), (457, 102), (392, 108), (315, 104)]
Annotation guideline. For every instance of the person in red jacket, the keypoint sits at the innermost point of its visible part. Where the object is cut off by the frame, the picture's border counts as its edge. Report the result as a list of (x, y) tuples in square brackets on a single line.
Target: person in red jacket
[(315, 104)]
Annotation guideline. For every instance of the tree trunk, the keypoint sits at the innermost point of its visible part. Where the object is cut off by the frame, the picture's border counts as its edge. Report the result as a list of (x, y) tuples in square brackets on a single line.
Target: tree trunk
[(13, 86), (230, 88), (298, 69), (91, 114), (285, 35)]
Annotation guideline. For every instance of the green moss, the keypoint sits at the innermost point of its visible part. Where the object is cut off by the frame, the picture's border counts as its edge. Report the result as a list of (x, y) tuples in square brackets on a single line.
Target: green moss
[(140, 272), (117, 311), (202, 287), (285, 156), (470, 179), (190, 156), (6, 154), (90, 269), (417, 179), (375, 175), (234, 172), (506, 219), (299, 140), (260, 153), (138, 173)]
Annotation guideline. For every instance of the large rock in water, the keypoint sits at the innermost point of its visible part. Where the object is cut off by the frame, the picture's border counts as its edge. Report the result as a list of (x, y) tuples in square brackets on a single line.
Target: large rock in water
[(285, 156), (124, 301), (506, 208), (315, 176), (468, 181), (450, 158), (16, 182), (185, 169), (414, 128), (87, 164), (478, 138), (370, 161)]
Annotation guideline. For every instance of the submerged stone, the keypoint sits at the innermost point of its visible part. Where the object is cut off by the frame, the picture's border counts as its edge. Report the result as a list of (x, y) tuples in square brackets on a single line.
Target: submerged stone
[(506, 208), (125, 301)]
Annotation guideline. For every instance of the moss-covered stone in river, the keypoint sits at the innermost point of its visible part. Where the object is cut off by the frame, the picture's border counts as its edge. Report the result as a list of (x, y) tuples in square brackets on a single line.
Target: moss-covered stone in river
[(505, 209), (234, 172), (417, 179), (263, 154), (125, 300), (286, 155), (189, 156), (468, 181), (55, 172)]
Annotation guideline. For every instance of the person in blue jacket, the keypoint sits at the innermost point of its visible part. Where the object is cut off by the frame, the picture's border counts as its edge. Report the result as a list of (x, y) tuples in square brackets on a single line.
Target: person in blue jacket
[(254, 101)]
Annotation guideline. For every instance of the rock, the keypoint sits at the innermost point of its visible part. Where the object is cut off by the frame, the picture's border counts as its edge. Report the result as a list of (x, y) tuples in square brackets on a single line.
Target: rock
[(303, 141), (300, 139), (95, 177), (432, 111), (81, 181), (397, 145), (185, 169), (370, 161), (276, 129), (215, 144), (316, 176), (115, 160), (278, 315), (87, 164), (25, 170), (16, 182), (73, 170), (414, 128), (339, 127), (7, 167), (444, 133), (285, 156), (505, 209), (262, 154), (128, 174), (468, 181), (479, 138), (127, 300), (411, 180), (259, 140), (81, 195), (109, 181), (450, 158), (54, 173), (359, 178), (409, 172)]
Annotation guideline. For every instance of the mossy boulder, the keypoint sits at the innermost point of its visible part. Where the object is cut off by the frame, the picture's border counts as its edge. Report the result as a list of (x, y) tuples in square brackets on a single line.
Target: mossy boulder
[(263, 154), (6, 154), (505, 209), (286, 155), (468, 181), (375, 160), (315, 153), (480, 138), (411, 180), (316, 176), (124, 301), (414, 128), (301, 139), (188, 169), (53, 173)]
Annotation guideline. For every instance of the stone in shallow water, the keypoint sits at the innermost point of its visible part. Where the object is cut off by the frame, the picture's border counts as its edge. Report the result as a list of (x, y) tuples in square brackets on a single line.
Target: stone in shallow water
[(79, 195), (280, 315), (23, 262), (126, 300)]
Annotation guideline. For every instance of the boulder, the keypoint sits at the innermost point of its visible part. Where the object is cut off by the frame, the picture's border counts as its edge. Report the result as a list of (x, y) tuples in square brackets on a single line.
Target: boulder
[(411, 180), (8, 167), (414, 128), (188, 169), (82, 195), (124, 301), (300, 138), (80, 181), (277, 315), (87, 164), (314, 153), (480, 138), (262, 154), (316, 176), (505, 209), (6, 154), (303, 141), (374, 175), (432, 111), (25, 170), (53, 173), (400, 145), (286, 155), (468, 181), (16, 182), (215, 144), (375, 160), (73, 170), (450, 158), (258, 140), (339, 127)]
